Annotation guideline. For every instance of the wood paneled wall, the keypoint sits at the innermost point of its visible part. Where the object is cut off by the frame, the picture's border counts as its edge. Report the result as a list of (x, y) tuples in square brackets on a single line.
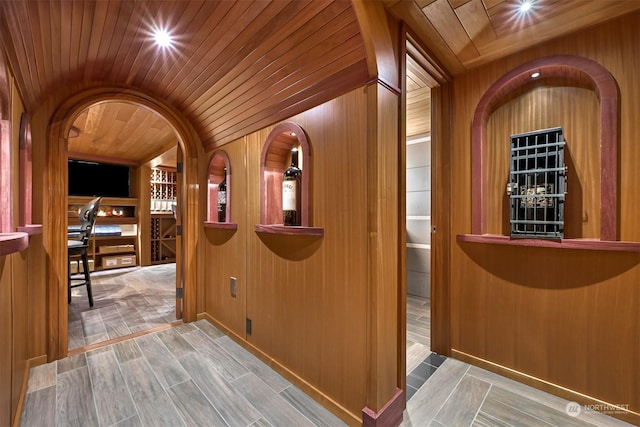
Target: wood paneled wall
[(22, 293), (570, 318), (307, 297)]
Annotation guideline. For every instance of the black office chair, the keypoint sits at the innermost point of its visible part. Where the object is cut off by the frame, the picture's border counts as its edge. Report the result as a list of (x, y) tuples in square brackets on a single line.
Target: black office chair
[(80, 245)]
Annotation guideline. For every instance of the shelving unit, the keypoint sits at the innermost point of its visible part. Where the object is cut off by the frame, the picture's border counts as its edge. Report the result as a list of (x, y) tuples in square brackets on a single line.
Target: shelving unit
[(163, 189), (163, 183), (114, 242), (163, 238)]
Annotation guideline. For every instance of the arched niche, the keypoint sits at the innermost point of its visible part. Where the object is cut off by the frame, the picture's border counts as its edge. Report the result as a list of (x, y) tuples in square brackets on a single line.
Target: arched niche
[(567, 67), (26, 177), (274, 160), (5, 150), (215, 174)]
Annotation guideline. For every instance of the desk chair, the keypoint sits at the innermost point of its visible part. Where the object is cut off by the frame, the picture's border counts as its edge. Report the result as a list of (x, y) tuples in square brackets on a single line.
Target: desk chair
[(80, 245)]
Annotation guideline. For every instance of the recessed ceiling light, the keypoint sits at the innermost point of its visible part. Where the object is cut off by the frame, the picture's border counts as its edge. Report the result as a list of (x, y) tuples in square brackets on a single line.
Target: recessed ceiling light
[(162, 38), (535, 74), (525, 6)]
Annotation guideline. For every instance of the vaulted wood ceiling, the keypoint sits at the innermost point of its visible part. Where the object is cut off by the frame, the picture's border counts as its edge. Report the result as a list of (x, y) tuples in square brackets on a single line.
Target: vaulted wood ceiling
[(242, 65)]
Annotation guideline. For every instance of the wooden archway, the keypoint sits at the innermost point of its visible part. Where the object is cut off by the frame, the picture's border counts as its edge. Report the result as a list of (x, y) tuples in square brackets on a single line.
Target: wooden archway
[(55, 202)]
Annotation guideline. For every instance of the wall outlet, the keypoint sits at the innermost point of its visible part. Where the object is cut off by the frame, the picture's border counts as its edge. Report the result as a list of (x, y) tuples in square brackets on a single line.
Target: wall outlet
[(233, 287)]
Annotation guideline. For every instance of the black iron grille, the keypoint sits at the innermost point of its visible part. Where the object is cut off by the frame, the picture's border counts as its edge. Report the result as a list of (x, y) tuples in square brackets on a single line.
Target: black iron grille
[(537, 184)]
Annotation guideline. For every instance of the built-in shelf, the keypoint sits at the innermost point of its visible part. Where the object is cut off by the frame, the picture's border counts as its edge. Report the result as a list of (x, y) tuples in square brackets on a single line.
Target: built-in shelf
[(218, 165), (30, 229), (13, 242), (585, 244), (289, 230), (274, 161), (221, 225)]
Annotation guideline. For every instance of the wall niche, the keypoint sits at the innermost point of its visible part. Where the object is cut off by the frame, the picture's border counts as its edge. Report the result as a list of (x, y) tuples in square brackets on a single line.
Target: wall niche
[(218, 164), (274, 160), (584, 73)]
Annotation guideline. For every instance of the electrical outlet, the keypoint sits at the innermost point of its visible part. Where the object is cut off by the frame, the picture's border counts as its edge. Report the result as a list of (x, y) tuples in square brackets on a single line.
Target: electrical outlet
[(233, 286)]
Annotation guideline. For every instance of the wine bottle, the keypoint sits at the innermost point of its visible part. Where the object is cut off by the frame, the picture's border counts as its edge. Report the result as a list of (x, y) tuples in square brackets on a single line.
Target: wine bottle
[(222, 198), (292, 191)]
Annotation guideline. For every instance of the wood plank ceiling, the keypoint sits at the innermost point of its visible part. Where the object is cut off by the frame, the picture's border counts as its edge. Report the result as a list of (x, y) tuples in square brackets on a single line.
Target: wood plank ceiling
[(238, 66), (464, 34)]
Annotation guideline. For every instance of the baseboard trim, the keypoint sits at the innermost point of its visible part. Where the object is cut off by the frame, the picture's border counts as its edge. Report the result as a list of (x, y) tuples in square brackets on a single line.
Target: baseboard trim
[(621, 413), (29, 363), (389, 416), (330, 404)]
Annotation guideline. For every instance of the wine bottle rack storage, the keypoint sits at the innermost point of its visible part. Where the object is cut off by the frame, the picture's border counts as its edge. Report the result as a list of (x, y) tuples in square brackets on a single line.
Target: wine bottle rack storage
[(163, 189), (163, 239)]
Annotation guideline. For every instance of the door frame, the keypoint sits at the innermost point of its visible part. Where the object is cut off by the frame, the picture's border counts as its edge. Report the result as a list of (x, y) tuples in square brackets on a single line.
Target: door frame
[(56, 200), (440, 202)]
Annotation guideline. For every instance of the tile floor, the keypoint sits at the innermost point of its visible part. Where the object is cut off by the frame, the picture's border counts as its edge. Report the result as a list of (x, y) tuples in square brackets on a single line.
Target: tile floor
[(126, 300), (152, 379)]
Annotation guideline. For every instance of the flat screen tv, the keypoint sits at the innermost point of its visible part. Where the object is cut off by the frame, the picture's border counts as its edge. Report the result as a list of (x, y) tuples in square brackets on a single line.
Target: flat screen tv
[(98, 179)]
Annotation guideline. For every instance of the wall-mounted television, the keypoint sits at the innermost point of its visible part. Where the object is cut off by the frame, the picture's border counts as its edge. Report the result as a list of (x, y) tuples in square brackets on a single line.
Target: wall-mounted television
[(87, 178)]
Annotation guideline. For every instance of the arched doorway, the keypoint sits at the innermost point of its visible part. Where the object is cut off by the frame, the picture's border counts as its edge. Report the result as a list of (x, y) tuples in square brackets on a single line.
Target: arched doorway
[(56, 202)]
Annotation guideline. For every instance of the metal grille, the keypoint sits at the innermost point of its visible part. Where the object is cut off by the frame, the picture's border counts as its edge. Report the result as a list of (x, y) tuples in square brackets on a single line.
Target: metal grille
[(537, 184)]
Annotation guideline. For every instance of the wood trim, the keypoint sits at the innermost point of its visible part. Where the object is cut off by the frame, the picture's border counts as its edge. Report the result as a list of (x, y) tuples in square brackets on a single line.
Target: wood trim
[(402, 216), (390, 415), (290, 230), (565, 393), (553, 66), (55, 216), (117, 340), (26, 177), (441, 236), (30, 229), (5, 177), (585, 244), (13, 242), (103, 159)]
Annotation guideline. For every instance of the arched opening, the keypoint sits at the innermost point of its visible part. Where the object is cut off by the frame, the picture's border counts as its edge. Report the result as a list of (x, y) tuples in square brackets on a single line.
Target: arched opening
[(569, 67), (56, 202)]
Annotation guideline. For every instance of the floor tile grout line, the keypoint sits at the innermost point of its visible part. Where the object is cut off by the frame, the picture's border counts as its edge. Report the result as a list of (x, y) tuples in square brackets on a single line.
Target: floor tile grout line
[(126, 384), (484, 398), (451, 392)]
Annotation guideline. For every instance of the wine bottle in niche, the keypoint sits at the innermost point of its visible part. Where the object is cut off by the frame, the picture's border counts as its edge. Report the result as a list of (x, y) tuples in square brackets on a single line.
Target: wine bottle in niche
[(222, 198), (292, 191)]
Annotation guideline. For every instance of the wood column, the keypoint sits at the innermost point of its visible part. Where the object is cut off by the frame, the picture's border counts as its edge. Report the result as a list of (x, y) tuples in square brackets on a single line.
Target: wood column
[(385, 400)]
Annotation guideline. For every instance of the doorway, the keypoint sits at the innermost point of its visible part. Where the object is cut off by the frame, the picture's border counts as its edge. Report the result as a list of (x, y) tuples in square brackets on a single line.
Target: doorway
[(418, 212), (427, 215), (134, 247)]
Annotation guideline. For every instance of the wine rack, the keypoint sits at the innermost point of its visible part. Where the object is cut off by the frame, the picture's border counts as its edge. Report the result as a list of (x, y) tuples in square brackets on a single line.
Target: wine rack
[(163, 190), (163, 239)]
